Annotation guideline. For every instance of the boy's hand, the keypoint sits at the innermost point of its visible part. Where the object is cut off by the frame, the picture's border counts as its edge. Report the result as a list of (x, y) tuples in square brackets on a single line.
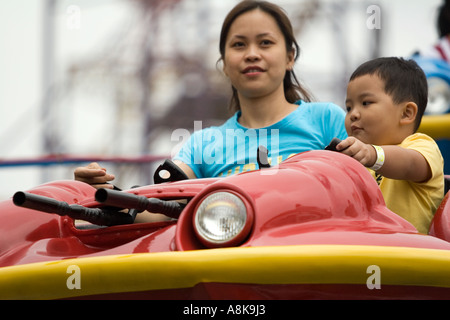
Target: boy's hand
[(94, 175), (364, 153)]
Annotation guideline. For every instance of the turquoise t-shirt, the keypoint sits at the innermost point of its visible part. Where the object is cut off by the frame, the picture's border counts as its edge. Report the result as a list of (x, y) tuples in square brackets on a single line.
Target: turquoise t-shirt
[(231, 148)]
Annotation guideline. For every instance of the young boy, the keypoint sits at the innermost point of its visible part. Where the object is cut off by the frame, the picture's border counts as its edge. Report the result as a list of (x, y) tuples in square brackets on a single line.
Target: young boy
[(386, 99)]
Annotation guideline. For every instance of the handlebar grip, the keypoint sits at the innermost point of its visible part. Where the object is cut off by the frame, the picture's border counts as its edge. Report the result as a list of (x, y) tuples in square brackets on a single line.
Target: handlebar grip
[(40, 203), (100, 216), (96, 216), (121, 199), (332, 146), (127, 200)]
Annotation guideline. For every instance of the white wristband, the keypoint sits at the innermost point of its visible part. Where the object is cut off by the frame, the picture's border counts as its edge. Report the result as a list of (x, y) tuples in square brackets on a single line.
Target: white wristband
[(380, 158)]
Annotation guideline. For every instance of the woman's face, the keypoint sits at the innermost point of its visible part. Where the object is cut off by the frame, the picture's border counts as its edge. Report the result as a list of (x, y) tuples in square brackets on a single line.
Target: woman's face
[(255, 57)]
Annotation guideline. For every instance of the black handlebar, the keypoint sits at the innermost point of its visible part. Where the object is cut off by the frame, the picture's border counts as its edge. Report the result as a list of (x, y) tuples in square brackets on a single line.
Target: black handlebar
[(102, 217), (332, 146), (128, 200)]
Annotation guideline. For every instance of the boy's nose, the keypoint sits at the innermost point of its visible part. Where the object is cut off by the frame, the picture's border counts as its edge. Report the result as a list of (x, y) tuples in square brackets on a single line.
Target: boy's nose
[(354, 114)]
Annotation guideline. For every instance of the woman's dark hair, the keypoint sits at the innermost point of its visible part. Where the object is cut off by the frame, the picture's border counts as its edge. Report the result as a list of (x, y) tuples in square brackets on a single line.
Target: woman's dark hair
[(443, 21), (403, 80), (292, 88)]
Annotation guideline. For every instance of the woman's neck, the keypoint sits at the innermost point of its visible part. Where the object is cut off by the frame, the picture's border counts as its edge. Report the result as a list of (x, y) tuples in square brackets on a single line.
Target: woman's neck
[(264, 112)]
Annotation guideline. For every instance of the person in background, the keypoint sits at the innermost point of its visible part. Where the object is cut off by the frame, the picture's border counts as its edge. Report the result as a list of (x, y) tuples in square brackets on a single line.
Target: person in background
[(435, 61), (441, 50)]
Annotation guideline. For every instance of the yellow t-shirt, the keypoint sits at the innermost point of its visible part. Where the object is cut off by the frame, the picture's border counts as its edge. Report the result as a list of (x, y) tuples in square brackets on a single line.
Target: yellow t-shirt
[(416, 202)]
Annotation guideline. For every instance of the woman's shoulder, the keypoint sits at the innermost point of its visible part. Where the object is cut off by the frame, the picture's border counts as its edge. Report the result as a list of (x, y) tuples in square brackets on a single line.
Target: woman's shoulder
[(230, 123), (320, 107)]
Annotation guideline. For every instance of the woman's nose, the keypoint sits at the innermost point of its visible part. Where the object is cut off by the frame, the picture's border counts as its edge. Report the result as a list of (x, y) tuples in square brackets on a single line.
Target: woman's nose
[(252, 54)]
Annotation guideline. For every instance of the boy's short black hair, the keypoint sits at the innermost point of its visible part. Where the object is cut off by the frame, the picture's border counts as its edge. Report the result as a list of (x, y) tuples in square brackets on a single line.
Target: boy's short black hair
[(403, 80)]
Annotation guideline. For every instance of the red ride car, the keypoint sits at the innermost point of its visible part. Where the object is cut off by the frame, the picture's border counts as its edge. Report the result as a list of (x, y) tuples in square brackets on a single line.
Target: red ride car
[(315, 226)]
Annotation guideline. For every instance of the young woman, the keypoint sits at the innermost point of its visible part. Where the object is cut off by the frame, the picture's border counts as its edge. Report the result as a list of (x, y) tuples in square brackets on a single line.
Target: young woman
[(258, 51)]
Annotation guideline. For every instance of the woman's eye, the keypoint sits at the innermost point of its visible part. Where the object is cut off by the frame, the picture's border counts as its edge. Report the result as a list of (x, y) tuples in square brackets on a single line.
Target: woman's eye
[(266, 42), (237, 44)]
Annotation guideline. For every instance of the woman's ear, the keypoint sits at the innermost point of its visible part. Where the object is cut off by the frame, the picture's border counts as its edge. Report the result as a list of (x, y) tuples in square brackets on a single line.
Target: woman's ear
[(409, 113), (290, 60), (224, 69)]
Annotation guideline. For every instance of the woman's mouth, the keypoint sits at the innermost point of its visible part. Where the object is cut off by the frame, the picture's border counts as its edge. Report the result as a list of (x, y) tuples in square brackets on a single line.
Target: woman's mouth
[(252, 70)]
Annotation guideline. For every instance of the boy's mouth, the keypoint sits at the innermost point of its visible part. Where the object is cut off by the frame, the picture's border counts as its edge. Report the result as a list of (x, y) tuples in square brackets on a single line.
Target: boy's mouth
[(355, 128)]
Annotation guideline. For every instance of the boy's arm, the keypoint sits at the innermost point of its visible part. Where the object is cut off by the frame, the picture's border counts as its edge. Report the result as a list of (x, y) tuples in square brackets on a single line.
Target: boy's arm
[(400, 163)]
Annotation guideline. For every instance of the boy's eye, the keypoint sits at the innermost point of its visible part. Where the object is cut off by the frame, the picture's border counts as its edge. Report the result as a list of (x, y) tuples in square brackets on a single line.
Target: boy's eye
[(366, 103)]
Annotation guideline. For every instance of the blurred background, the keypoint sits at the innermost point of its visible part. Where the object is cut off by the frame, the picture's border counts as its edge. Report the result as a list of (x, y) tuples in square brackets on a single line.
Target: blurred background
[(82, 80)]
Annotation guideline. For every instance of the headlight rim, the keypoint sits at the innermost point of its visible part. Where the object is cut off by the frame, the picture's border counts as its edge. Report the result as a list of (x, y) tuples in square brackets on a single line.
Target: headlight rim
[(237, 239)]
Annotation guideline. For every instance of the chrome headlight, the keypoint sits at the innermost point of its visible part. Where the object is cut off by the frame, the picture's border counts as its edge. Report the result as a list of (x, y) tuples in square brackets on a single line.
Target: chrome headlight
[(222, 219)]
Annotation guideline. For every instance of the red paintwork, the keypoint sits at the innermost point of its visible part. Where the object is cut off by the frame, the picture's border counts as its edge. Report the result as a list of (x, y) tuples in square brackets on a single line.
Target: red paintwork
[(317, 197), (239, 291)]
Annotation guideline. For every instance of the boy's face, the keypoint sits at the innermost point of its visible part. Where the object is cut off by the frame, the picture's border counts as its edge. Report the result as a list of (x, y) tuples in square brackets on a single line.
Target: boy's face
[(372, 116)]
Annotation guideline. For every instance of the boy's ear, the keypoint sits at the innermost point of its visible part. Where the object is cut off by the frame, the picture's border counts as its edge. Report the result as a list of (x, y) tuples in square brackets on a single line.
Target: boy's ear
[(409, 113)]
